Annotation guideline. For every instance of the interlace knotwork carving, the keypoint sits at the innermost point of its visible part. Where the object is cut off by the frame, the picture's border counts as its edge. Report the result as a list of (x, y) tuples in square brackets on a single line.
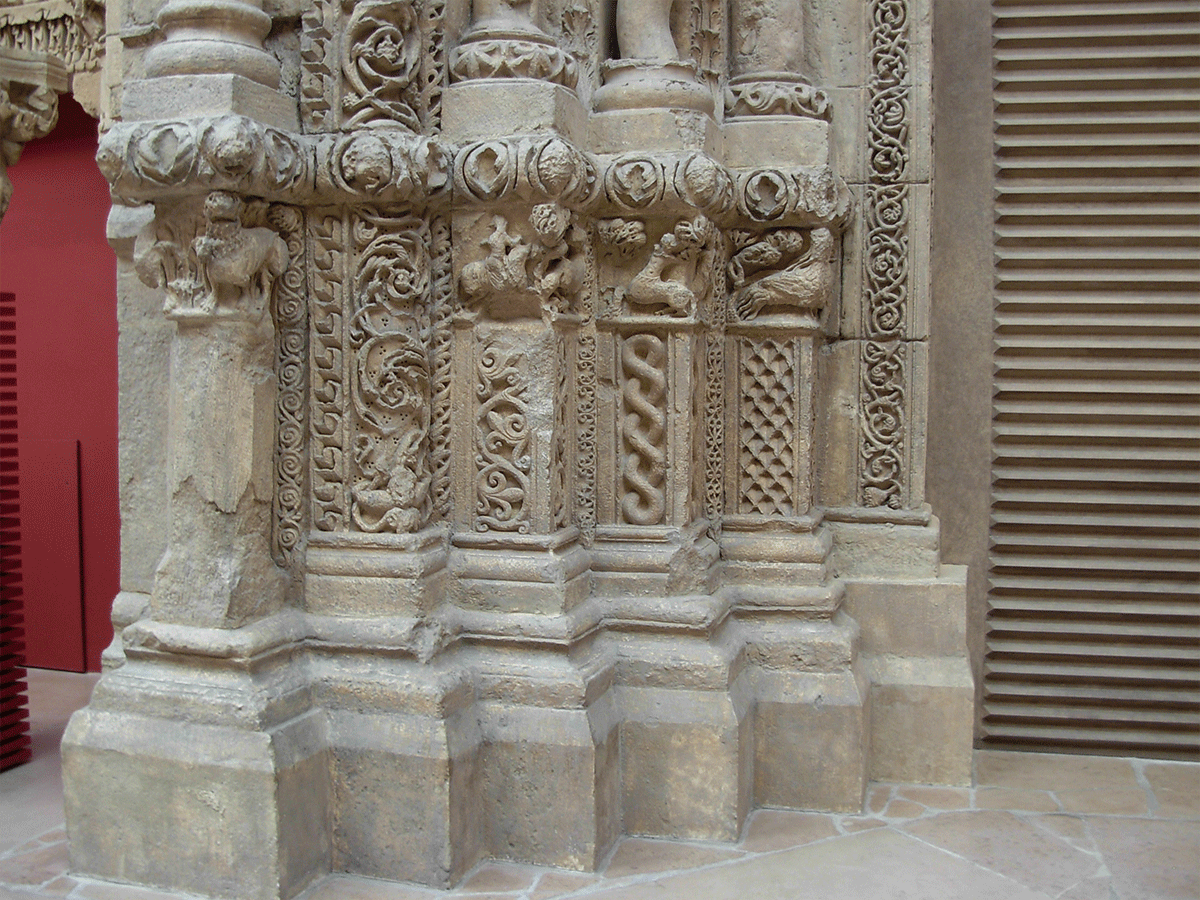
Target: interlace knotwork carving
[(787, 268), (327, 234), (678, 276), (391, 389), (549, 268), (768, 453), (433, 63), (714, 433), (888, 120), (585, 439), (643, 428), (883, 423), (776, 98), (382, 49), (502, 457), (560, 460), (291, 404)]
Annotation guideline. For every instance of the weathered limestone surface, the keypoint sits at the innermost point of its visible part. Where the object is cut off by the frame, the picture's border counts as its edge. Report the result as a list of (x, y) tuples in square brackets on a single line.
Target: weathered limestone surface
[(523, 436)]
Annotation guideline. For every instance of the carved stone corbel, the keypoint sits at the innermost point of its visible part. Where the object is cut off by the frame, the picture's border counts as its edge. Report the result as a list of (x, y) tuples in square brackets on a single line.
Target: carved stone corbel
[(29, 88)]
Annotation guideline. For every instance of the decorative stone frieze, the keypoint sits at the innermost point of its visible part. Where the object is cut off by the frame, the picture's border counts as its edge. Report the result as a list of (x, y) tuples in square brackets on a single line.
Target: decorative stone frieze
[(504, 382)]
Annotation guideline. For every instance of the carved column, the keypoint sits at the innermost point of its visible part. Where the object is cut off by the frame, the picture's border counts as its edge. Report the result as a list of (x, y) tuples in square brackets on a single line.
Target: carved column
[(211, 60), (650, 91), (29, 88), (218, 274)]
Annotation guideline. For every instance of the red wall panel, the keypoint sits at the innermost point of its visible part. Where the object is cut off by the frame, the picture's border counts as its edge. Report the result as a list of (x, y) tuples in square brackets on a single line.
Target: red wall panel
[(55, 258)]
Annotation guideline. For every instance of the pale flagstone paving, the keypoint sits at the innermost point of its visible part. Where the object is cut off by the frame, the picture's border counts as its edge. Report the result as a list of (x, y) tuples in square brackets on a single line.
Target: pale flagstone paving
[(1034, 827)]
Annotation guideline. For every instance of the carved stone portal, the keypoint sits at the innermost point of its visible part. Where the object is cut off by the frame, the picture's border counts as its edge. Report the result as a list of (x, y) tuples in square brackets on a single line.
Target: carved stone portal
[(541, 435)]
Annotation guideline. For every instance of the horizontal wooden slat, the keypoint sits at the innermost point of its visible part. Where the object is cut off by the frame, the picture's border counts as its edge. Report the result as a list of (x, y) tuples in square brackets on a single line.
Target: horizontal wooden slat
[(1093, 640)]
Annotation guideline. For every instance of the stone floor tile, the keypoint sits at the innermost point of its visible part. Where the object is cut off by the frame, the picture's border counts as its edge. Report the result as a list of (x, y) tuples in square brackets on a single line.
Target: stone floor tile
[(641, 856), (878, 796), (1105, 802), (60, 886), (1098, 888), (1052, 771), (498, 878), (1176, 787), (34, 866), (55, 836), (877, 865), (104, 890), (779, 829), (1015, 798), (1150, 860), (349, 887), (1001, 842), (854, 824), (11, 894), (903, 809), (555, 884), (1070, 828), (936, 797)]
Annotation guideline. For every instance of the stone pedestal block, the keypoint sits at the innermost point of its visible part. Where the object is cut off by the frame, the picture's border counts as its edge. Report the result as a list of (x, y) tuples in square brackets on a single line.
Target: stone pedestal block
[(375, 575), (549, 784), (777, 141), (221, 811), (654, 130), (212, 94), (812, 714), (484, 110), (403, 789), (686, 769)]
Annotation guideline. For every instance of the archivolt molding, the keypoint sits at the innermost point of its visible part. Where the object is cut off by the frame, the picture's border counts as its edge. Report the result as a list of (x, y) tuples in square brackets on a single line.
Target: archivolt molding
[(70, 30)]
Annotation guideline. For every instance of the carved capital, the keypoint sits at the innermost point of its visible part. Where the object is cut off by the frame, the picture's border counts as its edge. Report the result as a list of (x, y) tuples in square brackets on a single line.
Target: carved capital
[(781, 271), (29, 87), (216, 259)]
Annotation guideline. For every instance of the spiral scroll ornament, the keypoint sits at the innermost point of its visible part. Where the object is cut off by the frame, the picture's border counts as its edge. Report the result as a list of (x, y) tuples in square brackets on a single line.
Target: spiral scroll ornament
[(643, 429), (887, 215), (502, 457), (291, 408)]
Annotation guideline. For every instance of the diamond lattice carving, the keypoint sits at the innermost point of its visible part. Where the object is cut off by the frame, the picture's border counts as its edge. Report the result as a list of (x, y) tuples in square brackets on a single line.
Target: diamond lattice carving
[(768, 437)]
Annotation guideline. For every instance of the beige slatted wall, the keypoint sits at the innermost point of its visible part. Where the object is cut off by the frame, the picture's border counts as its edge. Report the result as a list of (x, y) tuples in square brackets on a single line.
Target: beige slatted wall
[(1094, 605)]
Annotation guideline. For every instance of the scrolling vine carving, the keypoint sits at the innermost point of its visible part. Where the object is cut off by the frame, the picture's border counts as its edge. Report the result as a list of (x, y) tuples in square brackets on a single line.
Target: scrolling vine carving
[(502, 441), (883, 371)]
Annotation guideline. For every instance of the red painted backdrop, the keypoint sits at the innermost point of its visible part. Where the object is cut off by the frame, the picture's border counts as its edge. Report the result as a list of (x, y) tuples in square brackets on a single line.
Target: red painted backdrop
[(54, 257)]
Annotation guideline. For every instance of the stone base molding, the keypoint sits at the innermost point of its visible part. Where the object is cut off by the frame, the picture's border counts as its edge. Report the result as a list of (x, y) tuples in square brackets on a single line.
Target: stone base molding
[(514, 493)]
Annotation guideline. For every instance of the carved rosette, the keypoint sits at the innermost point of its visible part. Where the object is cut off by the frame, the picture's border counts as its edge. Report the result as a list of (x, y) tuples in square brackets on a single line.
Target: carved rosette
[(883, 365), (153, 160)]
